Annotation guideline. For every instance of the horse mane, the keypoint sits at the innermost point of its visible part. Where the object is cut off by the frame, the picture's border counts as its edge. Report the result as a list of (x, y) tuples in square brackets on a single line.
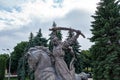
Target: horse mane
[(38, 48), (45, 49)]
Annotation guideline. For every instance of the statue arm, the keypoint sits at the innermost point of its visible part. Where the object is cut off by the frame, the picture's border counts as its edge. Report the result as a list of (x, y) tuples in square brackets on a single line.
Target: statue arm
[(70, 41)]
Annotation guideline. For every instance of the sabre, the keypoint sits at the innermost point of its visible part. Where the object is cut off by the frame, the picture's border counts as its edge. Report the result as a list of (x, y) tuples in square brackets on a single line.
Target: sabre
[(64, 28)]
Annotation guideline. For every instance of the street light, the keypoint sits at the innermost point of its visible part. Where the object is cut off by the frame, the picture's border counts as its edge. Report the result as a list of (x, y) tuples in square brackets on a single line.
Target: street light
[(9, 62)]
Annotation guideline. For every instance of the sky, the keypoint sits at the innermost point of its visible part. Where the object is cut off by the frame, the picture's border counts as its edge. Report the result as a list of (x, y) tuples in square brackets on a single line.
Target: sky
[(20, 17)]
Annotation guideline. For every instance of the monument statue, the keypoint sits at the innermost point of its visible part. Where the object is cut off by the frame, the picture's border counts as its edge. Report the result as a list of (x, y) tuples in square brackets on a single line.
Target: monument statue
[(50, 65)]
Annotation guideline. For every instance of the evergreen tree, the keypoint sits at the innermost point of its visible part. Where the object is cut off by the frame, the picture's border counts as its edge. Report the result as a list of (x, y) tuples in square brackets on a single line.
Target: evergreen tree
[(57, 33), (39, 40), (31, 43), (68, 56), (106, 36), (23, 68), (86, 60)]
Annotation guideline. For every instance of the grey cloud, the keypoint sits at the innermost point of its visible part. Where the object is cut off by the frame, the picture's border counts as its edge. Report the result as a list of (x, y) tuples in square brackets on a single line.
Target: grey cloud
[(78, 19), (9, 5)]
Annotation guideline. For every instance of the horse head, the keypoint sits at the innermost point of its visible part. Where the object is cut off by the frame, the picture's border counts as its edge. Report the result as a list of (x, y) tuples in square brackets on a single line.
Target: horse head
[(37, 54), (32, 56), (39, 61)]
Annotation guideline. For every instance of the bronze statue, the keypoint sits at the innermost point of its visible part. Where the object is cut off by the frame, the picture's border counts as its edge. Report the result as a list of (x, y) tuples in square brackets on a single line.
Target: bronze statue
[(51, 65)]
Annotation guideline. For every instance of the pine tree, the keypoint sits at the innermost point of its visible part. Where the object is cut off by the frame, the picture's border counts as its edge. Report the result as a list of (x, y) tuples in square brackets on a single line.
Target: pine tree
[(106, 36), (57, 33), (68, 56), (86, 61), (30, 44), (23, 68), (39, 40)]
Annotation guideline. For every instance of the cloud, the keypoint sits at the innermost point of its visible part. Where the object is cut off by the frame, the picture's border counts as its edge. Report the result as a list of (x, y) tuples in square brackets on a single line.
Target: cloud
[(22, 12), (77, 19), (81, 20), (30, 15)]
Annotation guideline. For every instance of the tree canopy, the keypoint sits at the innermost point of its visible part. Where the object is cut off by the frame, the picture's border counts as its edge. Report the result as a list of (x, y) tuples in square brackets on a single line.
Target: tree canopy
[(17, 54), (106, 36), (3, 59)]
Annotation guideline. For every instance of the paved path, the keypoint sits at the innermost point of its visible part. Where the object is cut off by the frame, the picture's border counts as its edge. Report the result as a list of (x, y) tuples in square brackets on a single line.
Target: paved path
[(11, 75), (90, 79)]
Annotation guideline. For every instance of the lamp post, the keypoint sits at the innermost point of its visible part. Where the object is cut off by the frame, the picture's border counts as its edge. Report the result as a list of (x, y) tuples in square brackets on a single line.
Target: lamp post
[(9, 62)]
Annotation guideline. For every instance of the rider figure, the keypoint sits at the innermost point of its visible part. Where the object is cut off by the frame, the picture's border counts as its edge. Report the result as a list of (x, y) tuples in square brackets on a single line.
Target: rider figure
[(60, 65)]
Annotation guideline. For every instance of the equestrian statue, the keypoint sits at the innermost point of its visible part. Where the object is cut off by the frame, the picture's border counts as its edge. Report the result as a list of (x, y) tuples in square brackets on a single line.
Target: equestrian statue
[(50, 65)]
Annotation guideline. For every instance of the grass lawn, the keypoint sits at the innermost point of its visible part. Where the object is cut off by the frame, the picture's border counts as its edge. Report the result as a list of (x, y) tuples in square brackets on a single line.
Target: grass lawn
[(15, 78)]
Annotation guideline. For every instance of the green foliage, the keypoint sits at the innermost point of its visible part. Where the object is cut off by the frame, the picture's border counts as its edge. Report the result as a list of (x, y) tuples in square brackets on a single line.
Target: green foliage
[(86, 60), (78, 61), (30, 43), (3, 59), (23, 68), (17, 54), (106, 36), (68, 57), (39, 40)]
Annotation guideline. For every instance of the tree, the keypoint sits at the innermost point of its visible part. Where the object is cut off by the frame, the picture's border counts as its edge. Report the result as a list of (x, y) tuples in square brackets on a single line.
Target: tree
[(86, 60), (68, 56), (3, 59), (106, 36), (17, 54), (39, 40), (23, 68), (57, 33), (30, 43)]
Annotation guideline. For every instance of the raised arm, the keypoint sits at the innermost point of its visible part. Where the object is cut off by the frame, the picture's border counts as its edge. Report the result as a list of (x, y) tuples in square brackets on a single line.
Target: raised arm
[(64, 28), (71, 40)]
